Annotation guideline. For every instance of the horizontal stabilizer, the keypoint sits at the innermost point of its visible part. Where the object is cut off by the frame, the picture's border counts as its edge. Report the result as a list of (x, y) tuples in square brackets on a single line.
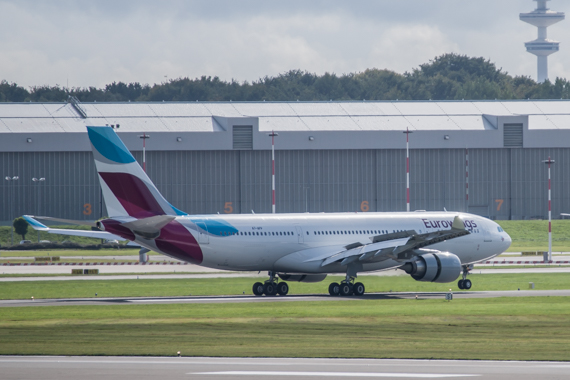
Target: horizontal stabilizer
[(58, 231), (149, 228), (65, 221)]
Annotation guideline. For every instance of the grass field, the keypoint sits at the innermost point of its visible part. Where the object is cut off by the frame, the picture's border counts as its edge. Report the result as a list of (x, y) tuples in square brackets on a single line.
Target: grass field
[(33, 236), (73, 252), (243, 285), (491, 329), (532, 235)]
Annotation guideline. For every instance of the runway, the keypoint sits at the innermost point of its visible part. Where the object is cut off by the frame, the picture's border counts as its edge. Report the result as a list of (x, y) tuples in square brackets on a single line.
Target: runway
[(289, 298), (141, 368)]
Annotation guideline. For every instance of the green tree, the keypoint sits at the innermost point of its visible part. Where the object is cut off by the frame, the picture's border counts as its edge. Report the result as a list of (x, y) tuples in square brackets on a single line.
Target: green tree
[(21, 227)]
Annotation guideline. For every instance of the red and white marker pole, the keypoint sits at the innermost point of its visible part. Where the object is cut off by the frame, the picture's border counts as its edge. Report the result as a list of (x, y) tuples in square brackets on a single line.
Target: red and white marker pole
[(144, 137), (467, 179), (549, 162), (407, 132), (273, 134)]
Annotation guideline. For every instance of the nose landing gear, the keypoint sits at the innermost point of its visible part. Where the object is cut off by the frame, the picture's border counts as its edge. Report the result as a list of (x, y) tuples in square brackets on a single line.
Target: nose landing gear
[(464, 283), (271, 287)]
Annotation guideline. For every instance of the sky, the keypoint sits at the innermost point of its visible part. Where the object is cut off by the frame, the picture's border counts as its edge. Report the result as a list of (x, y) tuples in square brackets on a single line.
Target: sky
[(78, 43)]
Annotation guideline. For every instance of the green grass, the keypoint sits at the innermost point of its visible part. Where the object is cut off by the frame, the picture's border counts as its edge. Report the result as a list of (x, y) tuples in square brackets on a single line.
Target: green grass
[(486, 329), (243, 285), (33, 236), (72, 252), (532, 235)]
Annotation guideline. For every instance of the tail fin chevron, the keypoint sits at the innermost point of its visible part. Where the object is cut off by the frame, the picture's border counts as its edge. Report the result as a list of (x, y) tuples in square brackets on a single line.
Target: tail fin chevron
[(127, 190)]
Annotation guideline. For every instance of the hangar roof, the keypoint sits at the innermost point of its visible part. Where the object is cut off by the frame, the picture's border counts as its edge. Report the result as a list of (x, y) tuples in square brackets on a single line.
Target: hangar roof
[(30, 127), (283, 116)]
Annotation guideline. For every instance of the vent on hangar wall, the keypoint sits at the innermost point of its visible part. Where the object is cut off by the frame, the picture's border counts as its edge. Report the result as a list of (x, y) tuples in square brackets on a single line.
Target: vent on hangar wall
[(513, 135), (243, 137)]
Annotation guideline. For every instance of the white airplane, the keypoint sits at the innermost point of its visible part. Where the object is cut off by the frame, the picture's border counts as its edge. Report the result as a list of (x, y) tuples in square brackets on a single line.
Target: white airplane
[(430, 246)]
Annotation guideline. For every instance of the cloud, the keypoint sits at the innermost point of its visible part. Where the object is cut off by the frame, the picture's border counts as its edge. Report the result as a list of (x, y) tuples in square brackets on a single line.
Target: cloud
[(95, 43)]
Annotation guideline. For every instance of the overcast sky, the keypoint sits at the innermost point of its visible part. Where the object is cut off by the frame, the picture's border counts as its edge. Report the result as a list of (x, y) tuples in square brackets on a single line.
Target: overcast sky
[(80, 43)]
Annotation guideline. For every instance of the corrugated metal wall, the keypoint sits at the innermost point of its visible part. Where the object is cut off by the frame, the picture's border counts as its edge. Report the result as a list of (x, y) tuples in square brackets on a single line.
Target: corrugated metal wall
[(503, 183)]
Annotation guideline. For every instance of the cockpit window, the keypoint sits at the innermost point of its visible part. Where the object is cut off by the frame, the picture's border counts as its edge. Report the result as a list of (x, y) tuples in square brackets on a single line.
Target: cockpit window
[(500, 229)]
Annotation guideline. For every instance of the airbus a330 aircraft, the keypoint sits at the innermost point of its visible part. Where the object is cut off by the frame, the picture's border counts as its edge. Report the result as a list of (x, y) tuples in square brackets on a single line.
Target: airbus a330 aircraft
[(430, 246)]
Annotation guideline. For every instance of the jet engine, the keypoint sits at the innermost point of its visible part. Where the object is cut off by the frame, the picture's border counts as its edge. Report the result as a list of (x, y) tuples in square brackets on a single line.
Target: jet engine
[(434, 267), (302, 277)]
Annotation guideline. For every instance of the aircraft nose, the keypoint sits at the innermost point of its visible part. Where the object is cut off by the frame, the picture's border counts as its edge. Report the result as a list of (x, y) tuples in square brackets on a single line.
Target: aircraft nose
[(507, 240)]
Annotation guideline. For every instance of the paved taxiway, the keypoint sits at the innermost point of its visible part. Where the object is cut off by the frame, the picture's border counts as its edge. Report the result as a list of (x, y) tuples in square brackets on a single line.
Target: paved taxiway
[(290, 298), (141, 368)]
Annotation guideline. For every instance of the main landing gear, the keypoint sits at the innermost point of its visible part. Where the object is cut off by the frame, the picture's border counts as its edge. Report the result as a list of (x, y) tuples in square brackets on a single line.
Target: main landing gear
[(347, 288), (464, 283), (271, 287)]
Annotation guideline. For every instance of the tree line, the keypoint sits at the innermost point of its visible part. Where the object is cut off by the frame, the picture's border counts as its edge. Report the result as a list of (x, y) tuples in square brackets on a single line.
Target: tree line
[(447, 77)]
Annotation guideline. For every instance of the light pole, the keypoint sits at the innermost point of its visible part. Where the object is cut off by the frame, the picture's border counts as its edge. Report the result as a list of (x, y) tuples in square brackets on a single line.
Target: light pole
[(407, 132), (549, 162), (273, 134), (144, 136), (38, 181), (11, 181)]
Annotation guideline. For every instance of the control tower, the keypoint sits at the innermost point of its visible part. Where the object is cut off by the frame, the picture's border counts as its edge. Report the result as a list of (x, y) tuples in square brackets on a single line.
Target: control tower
[(542, 47)]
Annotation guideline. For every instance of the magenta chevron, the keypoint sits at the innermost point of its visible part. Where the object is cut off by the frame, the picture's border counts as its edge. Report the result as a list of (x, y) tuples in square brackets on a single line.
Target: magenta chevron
[(133, 194), (177, 241)]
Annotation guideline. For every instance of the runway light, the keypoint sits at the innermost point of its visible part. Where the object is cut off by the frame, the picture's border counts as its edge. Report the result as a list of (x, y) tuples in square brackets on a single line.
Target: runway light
[(29, 140), (178, 353), (32, 298)]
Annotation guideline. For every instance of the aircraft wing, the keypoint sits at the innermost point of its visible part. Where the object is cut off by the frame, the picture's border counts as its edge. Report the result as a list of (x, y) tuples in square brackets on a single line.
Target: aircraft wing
[(398, 246), (85, 233)]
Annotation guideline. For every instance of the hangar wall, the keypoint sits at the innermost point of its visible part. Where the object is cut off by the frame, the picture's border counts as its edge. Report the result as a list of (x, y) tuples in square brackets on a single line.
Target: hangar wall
[(504, 183)]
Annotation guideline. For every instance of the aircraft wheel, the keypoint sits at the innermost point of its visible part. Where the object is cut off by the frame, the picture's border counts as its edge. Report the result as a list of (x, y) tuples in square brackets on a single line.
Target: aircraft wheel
[(334, 289), (270, 289), (467, 284), (345, 289), (282, 288), (358, 289), (460, 284), (258, 289)]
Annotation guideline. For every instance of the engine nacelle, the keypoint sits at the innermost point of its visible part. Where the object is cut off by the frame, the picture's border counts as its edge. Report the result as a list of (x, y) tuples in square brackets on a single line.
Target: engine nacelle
[(302, 277), (434, 267)]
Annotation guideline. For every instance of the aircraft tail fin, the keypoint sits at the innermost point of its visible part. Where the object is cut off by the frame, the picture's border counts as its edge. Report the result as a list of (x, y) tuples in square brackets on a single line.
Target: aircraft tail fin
[(127, 190)]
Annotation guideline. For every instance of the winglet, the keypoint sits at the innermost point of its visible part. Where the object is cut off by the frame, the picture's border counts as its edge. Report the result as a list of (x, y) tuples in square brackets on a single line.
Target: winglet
[(35, 224), (458, 223)]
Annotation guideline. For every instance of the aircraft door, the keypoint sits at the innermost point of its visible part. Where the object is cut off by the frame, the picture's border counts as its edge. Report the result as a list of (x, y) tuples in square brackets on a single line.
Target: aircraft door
[(299, 233), (203, 233)]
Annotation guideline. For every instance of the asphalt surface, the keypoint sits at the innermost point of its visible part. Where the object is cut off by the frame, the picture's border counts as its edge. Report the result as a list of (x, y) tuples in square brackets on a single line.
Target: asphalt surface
[(289, 298), (141, 368)]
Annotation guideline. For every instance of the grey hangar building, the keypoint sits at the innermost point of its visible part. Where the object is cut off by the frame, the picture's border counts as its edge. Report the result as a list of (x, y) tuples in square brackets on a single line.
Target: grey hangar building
[(483, 157)]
